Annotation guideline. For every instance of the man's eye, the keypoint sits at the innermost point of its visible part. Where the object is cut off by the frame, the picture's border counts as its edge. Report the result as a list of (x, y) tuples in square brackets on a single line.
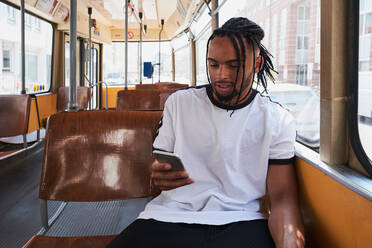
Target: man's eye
[(213, 65), (233, 65)]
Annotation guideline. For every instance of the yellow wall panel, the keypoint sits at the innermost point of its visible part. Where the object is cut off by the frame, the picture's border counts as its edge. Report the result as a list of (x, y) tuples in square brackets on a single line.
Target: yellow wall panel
[(47, 106), (334, 215)]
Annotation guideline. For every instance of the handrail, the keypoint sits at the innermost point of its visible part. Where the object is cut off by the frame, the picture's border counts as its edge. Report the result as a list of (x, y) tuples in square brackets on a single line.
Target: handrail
[(101, 82), (33, 96)]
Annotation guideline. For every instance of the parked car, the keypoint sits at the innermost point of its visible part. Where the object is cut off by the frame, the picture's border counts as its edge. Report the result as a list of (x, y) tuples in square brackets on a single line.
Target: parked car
[(303, 103)]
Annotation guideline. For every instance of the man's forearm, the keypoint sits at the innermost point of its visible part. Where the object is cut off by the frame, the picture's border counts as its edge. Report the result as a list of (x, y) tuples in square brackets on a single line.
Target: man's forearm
[(285, 224)]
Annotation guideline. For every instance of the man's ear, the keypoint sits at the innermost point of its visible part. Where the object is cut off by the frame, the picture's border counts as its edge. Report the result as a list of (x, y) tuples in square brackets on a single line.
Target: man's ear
[(259, 63)]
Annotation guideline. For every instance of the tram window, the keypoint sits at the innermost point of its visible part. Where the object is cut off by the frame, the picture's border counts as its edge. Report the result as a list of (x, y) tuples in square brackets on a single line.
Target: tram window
[(11, 14), (94, 61), (201, 21), (183, 69), (365, 77), (296, 55), (180, 41), (38, 46), (201, 50), (182, 54), (113, 62), (67, 64), (6, 60)]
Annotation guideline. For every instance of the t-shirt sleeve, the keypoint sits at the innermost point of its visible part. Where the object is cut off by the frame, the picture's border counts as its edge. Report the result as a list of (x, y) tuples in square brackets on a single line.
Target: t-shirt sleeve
[(164, 139), (282, 147)]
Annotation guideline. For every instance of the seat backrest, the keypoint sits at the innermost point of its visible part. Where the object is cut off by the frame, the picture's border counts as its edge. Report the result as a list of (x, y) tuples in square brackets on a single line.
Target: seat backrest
[(170, 85), (164, 96), (146, 87), (141, 99), (82, 98), (98, 155), (14, 114)]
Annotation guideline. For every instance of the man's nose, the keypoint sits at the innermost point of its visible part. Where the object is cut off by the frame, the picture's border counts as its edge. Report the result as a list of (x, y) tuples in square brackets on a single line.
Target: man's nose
[(223, 72)]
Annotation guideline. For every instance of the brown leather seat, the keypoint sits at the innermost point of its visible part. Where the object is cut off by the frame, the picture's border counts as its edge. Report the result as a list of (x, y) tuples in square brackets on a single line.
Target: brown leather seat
[(62, 242), (99, 155), (164, 96), (146, 87), (142, 99), (82, 98), (14, 114), (171, 85)]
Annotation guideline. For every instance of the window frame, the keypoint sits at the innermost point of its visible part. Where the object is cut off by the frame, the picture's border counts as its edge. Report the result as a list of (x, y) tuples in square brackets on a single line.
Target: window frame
[(352, 103)]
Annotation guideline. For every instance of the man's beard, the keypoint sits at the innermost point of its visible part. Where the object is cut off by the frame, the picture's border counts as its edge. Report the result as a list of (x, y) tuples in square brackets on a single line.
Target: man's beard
[(235, 92), (226, 98)]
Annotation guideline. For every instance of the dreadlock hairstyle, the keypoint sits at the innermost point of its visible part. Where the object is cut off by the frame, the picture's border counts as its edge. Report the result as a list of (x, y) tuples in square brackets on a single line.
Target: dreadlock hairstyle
[(240, 28)]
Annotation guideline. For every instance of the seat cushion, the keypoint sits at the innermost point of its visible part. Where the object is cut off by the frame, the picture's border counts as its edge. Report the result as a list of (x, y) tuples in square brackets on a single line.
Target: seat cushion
[(65, 242)]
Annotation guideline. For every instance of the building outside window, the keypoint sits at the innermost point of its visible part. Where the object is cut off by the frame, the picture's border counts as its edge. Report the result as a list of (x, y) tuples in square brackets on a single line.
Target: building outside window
[(11, 14), (365, 31), (31, 64), (6, 60), (365, 76), (38, 46), (28, 21), (274, 38), (302, 43)]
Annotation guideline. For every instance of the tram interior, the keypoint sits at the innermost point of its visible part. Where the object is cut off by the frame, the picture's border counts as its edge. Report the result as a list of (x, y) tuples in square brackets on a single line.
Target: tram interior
[(118, 83)]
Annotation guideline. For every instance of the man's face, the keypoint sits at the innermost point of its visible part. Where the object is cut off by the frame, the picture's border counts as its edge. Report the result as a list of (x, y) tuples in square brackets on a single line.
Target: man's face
[(223, 65)]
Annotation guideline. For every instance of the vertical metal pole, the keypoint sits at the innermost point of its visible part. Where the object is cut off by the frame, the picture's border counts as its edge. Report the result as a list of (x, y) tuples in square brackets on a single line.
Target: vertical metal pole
[(44, 214), (90, 57), (140, 48), (126, 45), (72, 105), (173, 67), (215, 17), (193, 63), (162, 25), (23, 51)]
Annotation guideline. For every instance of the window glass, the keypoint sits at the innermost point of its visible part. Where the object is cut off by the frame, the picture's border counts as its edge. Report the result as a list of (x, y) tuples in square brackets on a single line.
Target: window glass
[(200, 21), (87, 67), (94, 73), (113, 62), (292, 36), (38, 59), (365, 77), (67, 64), (200, 53), (180, 41), (182, 58)]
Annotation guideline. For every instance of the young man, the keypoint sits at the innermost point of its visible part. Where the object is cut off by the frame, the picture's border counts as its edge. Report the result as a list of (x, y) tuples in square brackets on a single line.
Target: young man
[(236, 146)]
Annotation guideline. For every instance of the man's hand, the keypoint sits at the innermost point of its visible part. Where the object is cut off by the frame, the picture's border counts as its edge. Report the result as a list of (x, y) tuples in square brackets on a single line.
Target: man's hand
[(165, 178)]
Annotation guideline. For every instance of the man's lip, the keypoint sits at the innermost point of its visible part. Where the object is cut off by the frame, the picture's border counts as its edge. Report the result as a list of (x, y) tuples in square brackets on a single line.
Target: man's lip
[(224, 84), (224, 90)]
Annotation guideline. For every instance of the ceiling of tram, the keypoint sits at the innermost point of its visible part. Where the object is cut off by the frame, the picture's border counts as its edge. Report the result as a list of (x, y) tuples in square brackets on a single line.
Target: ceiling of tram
[(110, 17), (153, 10)]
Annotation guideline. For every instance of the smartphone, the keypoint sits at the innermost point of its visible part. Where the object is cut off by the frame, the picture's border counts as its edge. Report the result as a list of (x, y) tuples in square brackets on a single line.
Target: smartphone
[(168, 157)]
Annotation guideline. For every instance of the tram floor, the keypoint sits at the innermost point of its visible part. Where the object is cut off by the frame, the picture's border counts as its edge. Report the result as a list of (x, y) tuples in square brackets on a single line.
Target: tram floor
[(19, 205)]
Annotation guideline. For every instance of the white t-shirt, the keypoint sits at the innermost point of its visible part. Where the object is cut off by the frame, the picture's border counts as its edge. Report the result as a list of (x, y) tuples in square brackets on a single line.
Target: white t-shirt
[(226, 155)]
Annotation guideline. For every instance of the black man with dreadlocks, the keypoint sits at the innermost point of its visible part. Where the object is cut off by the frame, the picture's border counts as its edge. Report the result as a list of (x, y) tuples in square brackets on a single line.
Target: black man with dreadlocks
[(236, 146)]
